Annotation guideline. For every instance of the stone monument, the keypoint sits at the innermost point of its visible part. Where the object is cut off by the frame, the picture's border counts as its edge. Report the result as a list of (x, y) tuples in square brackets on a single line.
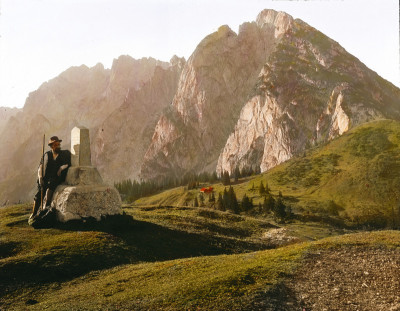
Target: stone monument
[(84, 194)]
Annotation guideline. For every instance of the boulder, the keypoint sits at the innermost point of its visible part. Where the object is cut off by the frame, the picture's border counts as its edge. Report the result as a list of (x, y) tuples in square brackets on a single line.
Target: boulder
[(84, 201)]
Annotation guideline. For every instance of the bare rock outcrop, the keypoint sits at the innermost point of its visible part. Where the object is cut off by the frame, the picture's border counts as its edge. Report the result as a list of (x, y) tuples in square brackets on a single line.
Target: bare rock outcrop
[(213, 86), (261, 123), (310, 91)]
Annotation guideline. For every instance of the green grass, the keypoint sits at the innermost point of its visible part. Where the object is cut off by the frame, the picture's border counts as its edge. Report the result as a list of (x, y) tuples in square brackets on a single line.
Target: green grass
[(353, 180), (147, 264), (163, 255), (32, 260)]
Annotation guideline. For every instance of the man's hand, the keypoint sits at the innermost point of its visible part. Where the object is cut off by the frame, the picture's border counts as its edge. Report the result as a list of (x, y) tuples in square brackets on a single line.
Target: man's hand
[(61, 169)]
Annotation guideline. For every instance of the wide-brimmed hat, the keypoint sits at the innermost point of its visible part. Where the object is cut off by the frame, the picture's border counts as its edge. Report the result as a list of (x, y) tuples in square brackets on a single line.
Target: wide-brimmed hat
[(53, 140)]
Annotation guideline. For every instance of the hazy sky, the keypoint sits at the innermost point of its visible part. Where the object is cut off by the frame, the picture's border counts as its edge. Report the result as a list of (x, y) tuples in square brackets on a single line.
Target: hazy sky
[(42, 38)]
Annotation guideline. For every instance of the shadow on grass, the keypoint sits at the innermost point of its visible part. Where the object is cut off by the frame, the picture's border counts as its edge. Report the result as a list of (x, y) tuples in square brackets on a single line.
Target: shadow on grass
[(150, 242), (126, 241)]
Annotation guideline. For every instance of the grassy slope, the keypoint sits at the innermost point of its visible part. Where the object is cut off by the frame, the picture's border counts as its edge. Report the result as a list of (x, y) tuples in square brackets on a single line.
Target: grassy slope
[(181, 257), (132, 266), (355, 178)]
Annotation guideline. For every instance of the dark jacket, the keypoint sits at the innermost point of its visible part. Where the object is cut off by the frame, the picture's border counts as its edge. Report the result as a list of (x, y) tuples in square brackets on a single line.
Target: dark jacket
[(51, 166)]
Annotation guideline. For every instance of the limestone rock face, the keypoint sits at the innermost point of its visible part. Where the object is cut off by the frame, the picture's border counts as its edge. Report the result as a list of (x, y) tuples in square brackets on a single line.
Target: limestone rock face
[(256, 98), (264, 136), (214, 84), (308, 92), (121, 140), (281, 22)]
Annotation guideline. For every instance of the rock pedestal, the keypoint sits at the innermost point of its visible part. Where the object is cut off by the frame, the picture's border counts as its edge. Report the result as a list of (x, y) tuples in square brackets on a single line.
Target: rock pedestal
[(84, 194)]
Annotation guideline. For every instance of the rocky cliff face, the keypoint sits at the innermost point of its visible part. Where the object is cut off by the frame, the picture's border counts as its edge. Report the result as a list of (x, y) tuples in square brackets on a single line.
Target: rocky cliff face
[(122, 139), (309, 91), (285, 85), (216, 81), (5, 114), (78, 96)]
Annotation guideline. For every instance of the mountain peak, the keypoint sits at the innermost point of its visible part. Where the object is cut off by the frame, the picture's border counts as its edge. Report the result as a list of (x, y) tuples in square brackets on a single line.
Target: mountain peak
[(280, 20)]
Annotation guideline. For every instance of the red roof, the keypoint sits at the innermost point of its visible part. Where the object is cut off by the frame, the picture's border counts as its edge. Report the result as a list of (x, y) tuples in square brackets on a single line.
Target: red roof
[(207, 190)]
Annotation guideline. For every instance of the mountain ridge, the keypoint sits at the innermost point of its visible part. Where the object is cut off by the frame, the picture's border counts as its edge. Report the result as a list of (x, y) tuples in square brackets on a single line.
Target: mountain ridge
[(251, 99)]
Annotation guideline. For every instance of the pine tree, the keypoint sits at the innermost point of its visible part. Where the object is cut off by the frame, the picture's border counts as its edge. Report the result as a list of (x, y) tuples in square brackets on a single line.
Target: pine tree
[(214, 177), (268, 204), (267, 190), (233, 203), (288, 211), (280, 208), (237, 174), (262, 189), (225, 200), (226, 180), (196, 202), (246, 205), (201, 198), (211, 198), (251, 171), (220, 203)]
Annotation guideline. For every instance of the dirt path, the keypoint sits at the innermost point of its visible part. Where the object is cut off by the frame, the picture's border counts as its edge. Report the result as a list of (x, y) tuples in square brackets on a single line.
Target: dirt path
[(349, 279)]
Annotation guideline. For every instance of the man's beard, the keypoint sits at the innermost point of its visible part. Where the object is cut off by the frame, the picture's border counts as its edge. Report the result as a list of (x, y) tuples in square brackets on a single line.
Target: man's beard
[(57, 150)]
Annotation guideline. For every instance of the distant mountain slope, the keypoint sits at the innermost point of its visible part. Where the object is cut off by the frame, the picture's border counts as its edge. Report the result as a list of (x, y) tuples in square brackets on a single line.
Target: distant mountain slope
[(121, 141), (214, 85), (285, 85), (355, 178), (309, 91), (5, 114), (79, 96)]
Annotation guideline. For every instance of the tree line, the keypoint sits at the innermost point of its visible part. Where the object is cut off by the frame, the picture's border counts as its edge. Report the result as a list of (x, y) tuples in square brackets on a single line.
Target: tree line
[(239, 173), (133, 190), (226, 201)]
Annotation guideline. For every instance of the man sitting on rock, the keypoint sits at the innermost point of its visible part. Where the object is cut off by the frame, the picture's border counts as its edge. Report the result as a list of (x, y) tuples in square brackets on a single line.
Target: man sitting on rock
[(52, 172)]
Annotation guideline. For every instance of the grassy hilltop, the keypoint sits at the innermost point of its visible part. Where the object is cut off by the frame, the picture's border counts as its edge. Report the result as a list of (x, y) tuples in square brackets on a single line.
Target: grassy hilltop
[(354, 179)]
